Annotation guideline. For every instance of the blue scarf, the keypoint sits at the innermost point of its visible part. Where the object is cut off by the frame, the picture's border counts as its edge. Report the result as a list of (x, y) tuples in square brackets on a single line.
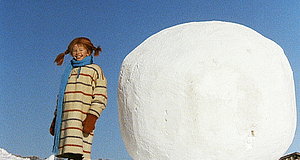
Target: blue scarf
[(87, 60)]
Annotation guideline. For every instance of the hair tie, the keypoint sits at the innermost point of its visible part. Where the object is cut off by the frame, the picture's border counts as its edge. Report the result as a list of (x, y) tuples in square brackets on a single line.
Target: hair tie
[(97, 50), (67, 52)]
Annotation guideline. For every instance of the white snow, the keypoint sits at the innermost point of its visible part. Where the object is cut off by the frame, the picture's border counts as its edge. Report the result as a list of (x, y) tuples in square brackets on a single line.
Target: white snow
[(4, 155), (207, 91), (52, 157)]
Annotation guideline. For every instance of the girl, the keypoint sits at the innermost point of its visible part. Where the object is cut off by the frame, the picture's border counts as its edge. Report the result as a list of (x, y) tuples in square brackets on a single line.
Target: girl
[(81, 100)]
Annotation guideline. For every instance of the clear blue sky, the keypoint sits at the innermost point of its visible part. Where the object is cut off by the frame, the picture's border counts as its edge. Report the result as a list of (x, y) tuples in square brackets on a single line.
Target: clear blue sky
[(34, 32)]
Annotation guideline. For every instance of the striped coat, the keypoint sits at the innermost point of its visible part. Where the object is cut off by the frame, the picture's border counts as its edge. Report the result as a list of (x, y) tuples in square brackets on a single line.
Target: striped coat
[(85, 93)]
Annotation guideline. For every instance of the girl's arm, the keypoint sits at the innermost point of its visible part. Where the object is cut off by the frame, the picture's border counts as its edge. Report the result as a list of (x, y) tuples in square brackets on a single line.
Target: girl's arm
[(99, 100)]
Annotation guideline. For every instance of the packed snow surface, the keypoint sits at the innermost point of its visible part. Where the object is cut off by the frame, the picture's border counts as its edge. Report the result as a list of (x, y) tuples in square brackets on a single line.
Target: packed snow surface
[(207, 91)]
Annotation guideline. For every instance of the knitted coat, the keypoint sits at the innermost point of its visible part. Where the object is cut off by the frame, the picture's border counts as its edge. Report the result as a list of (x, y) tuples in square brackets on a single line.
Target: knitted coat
[(85, 93)]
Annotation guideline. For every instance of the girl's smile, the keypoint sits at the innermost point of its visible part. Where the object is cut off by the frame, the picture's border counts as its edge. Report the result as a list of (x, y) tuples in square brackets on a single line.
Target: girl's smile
[(79, 52)]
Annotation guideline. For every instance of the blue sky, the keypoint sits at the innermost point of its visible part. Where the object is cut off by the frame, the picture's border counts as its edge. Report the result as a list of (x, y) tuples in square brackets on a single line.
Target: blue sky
[(34, 32)]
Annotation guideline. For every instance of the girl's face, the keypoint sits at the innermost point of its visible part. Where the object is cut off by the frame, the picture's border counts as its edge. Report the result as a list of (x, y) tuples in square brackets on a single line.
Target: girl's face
[(79, 52)]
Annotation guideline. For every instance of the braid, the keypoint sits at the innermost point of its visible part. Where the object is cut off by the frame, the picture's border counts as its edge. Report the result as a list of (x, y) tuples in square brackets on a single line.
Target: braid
[(60, 58), (97, 50)]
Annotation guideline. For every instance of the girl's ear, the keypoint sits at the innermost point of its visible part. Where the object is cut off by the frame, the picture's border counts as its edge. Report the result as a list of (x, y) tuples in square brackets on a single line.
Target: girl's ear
[(90, 52)]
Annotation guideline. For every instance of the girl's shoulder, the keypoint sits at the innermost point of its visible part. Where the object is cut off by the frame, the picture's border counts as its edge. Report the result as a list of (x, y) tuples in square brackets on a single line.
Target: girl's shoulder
[(96, 69)]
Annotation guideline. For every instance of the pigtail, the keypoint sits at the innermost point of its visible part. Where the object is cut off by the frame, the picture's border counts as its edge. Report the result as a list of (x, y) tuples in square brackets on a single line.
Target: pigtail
[(60, 58), (97, 51)]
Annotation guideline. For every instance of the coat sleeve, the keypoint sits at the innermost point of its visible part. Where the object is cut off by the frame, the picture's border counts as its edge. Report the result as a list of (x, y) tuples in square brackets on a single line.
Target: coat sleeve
[(99, 100)]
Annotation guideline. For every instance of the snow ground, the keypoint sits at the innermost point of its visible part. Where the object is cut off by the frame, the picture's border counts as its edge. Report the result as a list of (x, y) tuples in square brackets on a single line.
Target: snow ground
[(4, 155)]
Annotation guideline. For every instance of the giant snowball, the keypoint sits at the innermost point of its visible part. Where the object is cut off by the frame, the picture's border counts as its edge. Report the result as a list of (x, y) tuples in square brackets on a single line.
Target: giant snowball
[(207, 91)]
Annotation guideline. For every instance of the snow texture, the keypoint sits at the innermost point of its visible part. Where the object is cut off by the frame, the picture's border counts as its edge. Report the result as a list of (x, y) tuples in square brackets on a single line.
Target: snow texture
[(52, 157), (4, 155), (207, 91)]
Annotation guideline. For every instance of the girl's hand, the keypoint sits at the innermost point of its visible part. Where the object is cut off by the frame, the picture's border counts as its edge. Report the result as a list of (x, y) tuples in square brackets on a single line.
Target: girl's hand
[(89, 123), (52, 126)]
